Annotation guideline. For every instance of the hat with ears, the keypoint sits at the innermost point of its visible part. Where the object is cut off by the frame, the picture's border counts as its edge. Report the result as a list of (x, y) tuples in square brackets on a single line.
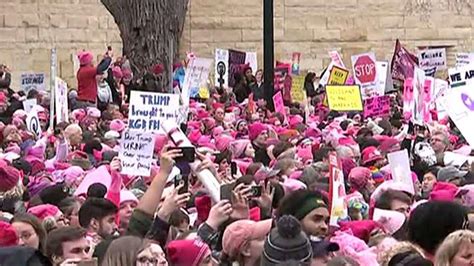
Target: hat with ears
[(85, 58), (370, 154)]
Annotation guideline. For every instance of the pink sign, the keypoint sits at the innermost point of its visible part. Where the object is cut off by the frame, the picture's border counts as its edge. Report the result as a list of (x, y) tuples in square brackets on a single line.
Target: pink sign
[(377, 106), (278, 103), (408, 98)]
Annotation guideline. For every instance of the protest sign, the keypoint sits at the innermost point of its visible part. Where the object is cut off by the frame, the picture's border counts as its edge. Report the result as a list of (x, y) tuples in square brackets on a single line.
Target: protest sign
[(33, 123), (136, 152), (427, 98), (298, 93), (461, 76), (236, 59), (378, 106), (337, 192), (365, 73), (100, 175), (464, 59), (403, 63), (400, 167), (251, 60), (344, 98), (440, 89), (278, 103), (29, 104), (432, 58), (221, 73), (60, 96), (459, 105), (251, 106), (295, 63), (281, 77), (336, 58), (196, 76), (384, 80), (33, 81), (408, 98), (148, 110), (338, 76)]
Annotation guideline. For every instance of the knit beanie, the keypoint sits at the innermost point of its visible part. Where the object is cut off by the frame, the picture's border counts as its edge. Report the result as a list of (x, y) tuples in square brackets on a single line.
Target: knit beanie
[(286, 243)]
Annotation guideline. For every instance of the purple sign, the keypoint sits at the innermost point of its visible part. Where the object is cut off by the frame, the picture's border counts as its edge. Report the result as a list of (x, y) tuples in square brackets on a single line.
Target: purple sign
[(377, 106), (236, 60)]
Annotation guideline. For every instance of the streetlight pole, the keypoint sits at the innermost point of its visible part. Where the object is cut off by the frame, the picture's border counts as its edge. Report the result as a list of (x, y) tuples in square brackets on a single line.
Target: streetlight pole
[(268, 53)]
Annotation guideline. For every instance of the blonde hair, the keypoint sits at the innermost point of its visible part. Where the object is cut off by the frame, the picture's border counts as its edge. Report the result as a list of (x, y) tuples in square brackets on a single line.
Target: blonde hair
[(450, 246), (385, 256)]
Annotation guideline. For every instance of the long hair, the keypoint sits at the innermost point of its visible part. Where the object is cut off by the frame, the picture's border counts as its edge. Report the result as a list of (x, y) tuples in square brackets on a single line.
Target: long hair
[(123, 251), (450, 246), (37, 226)]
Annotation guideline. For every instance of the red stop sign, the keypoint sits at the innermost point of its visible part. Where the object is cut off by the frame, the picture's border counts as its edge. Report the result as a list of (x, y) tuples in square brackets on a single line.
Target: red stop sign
[(364, 69)]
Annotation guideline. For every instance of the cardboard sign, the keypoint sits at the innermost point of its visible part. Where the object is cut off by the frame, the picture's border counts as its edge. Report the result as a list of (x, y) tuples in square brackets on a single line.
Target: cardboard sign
[(464, 59), (459, 105), (32, 122), (251, 60), (278, 103), (295, 64), (195, 78), (338, 76), (344, 98), (365, 73), (136, 152), (461, 76), (337, 191), (221, 73), (432, 58), (378, 106), (400, 167), (33, 81), (236, 59), (61, 104), (148, 110), (29, 104), (298, 93), (99, 175)]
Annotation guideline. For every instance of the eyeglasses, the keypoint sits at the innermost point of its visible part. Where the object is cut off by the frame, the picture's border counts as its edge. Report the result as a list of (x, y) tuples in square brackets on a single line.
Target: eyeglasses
[(147, 261)]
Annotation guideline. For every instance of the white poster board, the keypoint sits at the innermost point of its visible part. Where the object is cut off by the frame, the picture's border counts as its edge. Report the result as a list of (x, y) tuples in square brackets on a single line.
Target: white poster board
[(61, 105), (29, 104), (364, 67), (430, 58), (196, 76), (464, 59), (148, 110), (251, 60), (33, 123), (400, 167), (221, 62), (33, 81), (136, 152)]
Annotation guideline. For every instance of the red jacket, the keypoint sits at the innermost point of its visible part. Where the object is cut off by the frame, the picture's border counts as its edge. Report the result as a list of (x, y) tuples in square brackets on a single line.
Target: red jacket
[(87, 84)]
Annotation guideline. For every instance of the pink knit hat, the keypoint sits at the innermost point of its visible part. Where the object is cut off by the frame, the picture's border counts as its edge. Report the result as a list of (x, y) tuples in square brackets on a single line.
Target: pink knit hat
[(187, 252), (194, 136), (117, 125), (127, 195), (44, 210), (305, 154), (295, 121), (85, 58), (370, 154), (358, 177), (223, 142), (117, 72), (93, 112), (256, 129), (9, 176), (78, 114), (238, 147)]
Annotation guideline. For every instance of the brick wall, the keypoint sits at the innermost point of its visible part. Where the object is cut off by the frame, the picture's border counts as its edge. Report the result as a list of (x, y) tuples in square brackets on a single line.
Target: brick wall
[(29, 28)]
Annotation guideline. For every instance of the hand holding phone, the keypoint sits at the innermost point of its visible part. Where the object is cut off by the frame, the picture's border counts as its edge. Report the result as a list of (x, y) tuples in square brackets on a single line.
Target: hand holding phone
[(181, 180)]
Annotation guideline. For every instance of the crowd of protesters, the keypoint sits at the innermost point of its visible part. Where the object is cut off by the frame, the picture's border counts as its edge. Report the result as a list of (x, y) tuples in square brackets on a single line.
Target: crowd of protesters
[(146, 221)]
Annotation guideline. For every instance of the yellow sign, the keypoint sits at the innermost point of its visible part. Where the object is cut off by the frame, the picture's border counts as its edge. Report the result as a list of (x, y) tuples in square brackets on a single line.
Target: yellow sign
[(344, 98), (297, 89), (204, 93), (338, 76)]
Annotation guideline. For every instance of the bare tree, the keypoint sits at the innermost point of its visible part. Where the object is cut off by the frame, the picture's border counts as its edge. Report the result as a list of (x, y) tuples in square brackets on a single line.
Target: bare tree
[(148, 29)]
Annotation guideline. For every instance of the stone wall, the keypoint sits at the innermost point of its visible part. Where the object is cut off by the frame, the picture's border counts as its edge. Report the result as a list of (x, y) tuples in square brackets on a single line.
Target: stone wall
[(29, 28)]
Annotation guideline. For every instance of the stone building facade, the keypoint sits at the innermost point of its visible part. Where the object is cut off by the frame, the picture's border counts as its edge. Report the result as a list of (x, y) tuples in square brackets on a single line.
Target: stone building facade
[(29, 28)]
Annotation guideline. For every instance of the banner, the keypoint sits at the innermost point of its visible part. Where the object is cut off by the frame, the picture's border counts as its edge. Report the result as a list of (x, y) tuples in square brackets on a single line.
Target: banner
[(196, 76), (136, 153), (338, 76), (221, 73), (365, 74), (337, 192), (464, 59), (61, 104), (236, 60), (32, 122), (298, 93), (33, 81), (403, 63), (344, 98), (29, 104), (461, 76), (378, 106), (400, 167), (432, 58), (278, 103), (148, 110)]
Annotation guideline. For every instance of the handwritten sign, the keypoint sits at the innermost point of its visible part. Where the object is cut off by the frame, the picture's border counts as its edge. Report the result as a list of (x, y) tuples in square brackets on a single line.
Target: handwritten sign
[(344, 98), (295, 63), (33, 81), (336, 58), (148, 110), (461, 76), (29, 104), (33, 123), (278, 103), (236, 59), (400, 167), (195, 78), (338, 76), (136, 152), (60, 94), (464, 59), (378, 106), (337, 191), (432, 58), (297, 89)]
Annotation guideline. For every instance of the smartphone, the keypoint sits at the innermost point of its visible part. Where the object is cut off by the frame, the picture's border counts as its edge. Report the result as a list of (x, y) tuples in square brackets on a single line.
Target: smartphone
[(233, 169), (256, 191), (181, 179), (88, 262), (226, 191), (188, 154)]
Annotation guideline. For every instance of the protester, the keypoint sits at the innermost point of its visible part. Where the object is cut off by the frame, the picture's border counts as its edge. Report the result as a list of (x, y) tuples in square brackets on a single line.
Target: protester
[(456, 250), (30, 231), (68, 244)]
